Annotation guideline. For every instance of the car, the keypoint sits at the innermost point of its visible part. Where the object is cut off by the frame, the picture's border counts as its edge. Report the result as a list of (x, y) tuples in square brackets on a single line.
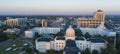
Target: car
[(8, 49), (13, 45), (15, 49), (25, 44)]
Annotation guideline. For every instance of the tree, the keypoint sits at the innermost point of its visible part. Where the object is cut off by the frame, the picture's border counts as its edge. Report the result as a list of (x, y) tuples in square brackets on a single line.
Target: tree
[(78, 32), (87, 35), (82, 52), (51, 51), (40, 25), (118, 51), (14, 36), (111, 49), (36, 51), (28, 50), (36, 36), (3, 37), (59, 52), (97, 36), (87, 51), (26, 27), (60, 33), (94, 52), (117, 41), (104, 51), (109, 39)]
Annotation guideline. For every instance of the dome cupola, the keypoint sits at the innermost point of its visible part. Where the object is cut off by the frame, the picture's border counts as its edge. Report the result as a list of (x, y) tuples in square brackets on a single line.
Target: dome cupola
[(70, 32)]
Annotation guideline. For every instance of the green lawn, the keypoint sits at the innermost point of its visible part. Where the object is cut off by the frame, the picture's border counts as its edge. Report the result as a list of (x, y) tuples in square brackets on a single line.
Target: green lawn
[(17, 43)]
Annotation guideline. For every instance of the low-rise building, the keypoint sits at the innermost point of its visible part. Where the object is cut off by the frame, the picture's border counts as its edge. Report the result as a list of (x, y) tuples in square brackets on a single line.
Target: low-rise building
[(12, 31), (16, 21), (2, 23), (41, 30), (101, 30)]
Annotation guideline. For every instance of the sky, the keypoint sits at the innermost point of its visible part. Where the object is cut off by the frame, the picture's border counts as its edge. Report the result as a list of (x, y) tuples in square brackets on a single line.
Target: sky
[(58, 7)]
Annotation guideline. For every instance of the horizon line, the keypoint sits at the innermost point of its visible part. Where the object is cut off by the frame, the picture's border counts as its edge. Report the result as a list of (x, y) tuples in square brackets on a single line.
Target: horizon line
[(55, 15)]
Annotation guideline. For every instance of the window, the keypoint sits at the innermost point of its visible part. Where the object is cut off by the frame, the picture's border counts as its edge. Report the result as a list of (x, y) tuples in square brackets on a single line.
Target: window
[(87, 45), (80, 43)]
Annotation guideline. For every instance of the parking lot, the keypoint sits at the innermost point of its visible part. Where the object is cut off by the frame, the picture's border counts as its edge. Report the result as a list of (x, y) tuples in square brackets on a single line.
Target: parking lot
[(13, 47)]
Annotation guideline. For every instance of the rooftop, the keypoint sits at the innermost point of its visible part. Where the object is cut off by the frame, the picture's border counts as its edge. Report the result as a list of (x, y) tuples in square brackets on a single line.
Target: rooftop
[(70, 43), (46, 39), (37, 28), (99, 11), (60, 38), (71, 49), (79, 38), (83, 18), (96, 40)]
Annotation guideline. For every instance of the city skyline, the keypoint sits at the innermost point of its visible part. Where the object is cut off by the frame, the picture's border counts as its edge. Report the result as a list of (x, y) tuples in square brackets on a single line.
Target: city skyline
[(58, 7)]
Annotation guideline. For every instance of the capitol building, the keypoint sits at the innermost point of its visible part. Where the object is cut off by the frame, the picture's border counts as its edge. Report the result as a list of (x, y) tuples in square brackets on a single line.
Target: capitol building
[(70, 44)]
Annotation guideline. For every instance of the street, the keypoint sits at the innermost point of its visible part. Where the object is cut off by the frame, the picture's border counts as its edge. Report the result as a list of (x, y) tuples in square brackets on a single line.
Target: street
[(5, 42)]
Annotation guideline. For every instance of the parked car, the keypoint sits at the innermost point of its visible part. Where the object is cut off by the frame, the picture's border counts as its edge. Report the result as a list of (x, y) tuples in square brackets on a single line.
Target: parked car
[(8, 49)]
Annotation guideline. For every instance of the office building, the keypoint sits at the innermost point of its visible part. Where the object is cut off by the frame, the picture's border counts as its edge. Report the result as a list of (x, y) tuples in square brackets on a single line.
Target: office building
[(94, 22), (44, 23), (16, 21)]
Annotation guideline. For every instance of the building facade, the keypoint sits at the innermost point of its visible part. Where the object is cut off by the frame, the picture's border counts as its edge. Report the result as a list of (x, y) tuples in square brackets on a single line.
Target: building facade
[(100, 30), (69, 43), (44, 23), (95, 25), (97, 19), (41, 30), (2, 23), (16, 21), (12, 31)]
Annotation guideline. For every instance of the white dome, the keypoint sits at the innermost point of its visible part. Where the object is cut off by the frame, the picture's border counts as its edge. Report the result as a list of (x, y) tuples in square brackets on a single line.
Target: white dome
[(70, 32)]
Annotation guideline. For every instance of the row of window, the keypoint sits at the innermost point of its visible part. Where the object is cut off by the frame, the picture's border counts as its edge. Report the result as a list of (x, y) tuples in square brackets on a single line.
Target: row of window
[(59, 43)]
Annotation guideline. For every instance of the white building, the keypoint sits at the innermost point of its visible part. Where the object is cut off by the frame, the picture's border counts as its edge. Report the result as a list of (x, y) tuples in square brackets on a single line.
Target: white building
[(101, 30), (29, 34), (44, 44), (41, 30), (2, 23), (69, 43), (12, 31)]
